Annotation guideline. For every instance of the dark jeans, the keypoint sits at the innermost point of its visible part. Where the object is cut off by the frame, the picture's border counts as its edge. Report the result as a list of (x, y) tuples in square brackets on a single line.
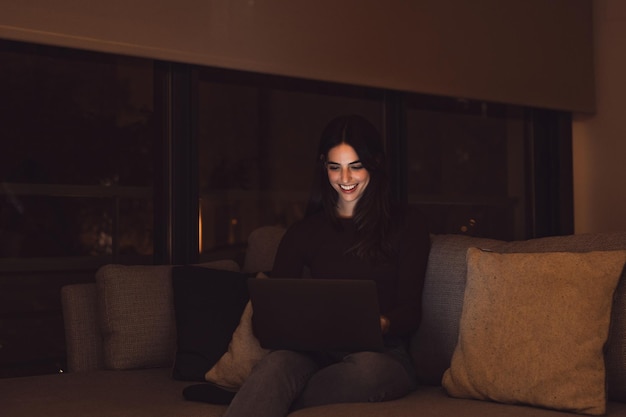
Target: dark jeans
[(285, 381)]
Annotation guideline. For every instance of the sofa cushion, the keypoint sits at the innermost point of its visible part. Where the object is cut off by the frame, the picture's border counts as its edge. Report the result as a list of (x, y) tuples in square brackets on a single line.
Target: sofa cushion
[(136, 316), (208, 305), (533, 328), (83, 339), (152, 393), (434, 342), (104, 393)]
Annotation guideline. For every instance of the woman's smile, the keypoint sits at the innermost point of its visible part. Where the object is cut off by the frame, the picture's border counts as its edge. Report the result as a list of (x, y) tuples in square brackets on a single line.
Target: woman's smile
[(348, 188)]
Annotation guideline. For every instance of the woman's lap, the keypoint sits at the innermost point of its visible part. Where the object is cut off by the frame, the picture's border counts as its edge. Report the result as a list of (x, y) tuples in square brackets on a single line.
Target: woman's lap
[(359, 377), (286, 380)]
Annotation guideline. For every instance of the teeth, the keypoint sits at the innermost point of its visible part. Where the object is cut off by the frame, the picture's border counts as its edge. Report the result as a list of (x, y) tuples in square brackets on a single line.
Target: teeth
[(347, 187)]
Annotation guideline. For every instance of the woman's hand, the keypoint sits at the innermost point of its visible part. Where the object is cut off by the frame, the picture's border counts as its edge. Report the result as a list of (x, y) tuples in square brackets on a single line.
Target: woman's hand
[(384, 324)]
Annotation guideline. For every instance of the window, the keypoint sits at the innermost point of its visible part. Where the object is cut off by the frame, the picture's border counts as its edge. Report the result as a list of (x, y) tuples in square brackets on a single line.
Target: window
[(77, 131), (466, 166), (76, 167), (105, 159)]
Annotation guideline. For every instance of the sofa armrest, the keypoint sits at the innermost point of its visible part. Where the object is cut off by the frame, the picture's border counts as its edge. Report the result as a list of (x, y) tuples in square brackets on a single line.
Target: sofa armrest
[(82, 336)]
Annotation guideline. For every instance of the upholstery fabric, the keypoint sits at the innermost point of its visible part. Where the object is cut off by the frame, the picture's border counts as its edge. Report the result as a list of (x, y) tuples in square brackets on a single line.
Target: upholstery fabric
[(136, 316), (83, 342), (429, 401), (533, 328), (103, 393), (153, 393), (261, 251), (442, 301), (433, 344)]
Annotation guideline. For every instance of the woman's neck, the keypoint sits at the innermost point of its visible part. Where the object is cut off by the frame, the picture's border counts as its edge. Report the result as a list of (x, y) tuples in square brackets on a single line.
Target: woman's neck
[(344, 212)]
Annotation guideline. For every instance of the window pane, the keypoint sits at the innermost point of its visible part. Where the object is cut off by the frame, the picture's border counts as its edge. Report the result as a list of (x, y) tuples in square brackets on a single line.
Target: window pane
[(466, 166), (76, 166)]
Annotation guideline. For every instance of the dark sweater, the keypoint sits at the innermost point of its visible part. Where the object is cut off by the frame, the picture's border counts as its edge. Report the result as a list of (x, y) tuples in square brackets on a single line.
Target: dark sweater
[(315, 244)]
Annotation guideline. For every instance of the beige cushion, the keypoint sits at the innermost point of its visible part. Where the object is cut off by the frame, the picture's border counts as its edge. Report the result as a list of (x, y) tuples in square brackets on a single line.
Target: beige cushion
[(434, 342), (533, 327), (244, 351)]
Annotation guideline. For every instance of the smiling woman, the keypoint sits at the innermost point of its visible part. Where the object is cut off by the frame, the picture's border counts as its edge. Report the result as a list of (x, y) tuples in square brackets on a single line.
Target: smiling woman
[(354, 231), (348, 176)]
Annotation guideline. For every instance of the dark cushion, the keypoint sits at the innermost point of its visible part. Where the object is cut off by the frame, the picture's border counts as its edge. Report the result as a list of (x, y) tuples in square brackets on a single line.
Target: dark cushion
[(208, 304)]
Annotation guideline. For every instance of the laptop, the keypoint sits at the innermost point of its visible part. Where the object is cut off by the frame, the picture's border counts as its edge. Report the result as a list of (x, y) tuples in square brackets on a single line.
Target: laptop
[(316, 314)]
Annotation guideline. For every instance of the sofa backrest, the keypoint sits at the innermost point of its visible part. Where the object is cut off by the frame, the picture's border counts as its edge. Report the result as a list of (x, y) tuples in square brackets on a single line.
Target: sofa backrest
[(433, 344), (262, 247)]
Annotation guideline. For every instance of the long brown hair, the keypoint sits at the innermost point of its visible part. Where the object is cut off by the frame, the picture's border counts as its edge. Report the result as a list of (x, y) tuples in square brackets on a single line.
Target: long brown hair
[(372, 213)]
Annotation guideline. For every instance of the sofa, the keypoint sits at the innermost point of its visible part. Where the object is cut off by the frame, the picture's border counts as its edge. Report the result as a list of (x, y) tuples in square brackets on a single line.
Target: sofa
[(123, 365)]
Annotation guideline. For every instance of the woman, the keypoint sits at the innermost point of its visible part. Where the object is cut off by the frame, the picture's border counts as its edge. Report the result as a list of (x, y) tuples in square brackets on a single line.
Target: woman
[(352, 231)]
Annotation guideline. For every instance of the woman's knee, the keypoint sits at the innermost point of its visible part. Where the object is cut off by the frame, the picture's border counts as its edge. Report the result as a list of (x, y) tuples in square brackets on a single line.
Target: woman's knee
[(374, 365), (360, 377)]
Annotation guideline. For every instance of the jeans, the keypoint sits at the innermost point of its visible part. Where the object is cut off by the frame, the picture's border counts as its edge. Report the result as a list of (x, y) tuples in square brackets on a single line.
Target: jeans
[(285, 381)]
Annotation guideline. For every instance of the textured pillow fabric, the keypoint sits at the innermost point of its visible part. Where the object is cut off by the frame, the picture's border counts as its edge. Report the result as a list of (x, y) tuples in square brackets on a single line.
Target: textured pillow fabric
[(136, 316), (208, 305), (244, 351), (435, 340), (533, 328)]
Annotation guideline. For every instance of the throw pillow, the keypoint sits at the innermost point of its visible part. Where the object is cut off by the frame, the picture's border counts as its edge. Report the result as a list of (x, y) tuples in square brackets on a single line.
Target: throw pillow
[(533, 328), (208, 305), (135, 316), (434, 342)]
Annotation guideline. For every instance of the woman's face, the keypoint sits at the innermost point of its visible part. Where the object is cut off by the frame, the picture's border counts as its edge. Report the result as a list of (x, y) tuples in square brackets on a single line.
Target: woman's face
[(347, 176)]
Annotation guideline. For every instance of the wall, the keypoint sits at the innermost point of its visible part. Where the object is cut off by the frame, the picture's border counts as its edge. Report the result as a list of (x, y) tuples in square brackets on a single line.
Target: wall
[(599, 141), (527, 52)]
